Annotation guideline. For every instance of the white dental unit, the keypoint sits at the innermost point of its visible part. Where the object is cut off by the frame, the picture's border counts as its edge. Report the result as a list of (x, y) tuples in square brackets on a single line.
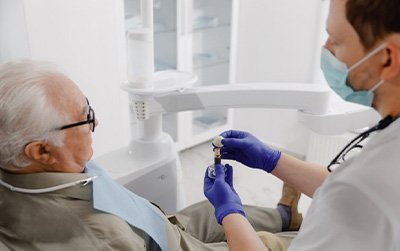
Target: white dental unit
[(150, 166)]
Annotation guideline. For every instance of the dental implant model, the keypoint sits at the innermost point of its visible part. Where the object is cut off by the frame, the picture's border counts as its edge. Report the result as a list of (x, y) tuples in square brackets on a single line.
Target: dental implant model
[(217, 143)]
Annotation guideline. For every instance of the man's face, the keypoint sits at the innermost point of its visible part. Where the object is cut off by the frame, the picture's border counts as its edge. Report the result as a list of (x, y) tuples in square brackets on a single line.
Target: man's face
[(77, 148), (344, 43)]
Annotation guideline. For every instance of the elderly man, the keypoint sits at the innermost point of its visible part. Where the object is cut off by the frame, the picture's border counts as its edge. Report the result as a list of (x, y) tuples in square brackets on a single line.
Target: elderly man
[(53, 198), (355, 200)]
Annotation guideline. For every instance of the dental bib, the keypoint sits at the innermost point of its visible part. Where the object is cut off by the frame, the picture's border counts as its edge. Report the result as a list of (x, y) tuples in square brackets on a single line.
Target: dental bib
[(110, 197)]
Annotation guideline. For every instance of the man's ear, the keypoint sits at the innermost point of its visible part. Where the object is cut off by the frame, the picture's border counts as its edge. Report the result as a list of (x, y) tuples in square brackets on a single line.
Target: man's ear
[(391, 62), (39, 151)]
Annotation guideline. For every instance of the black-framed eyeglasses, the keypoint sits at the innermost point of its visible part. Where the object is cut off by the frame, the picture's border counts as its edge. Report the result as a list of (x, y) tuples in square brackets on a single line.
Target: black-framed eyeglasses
[(91, 120), (356, 142)]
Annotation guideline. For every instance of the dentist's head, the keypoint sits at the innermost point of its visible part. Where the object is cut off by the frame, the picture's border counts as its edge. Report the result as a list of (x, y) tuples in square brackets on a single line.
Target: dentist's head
[(46, 121), (361, 57)]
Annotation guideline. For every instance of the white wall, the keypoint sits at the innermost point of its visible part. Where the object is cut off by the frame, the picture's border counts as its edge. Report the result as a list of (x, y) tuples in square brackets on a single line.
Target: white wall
[(85, 38), (13, 36), (278, 41)]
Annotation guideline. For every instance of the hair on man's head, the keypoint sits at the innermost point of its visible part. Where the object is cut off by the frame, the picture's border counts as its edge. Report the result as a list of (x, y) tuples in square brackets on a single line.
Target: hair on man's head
[(373, 19), (26, 110)]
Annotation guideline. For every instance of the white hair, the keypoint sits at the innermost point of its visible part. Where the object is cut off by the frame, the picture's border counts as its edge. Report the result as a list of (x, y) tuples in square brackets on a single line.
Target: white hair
[(26, 111)]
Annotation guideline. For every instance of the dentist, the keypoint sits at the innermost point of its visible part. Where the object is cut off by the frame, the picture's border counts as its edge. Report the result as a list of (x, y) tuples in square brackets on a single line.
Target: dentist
[(355, 200)]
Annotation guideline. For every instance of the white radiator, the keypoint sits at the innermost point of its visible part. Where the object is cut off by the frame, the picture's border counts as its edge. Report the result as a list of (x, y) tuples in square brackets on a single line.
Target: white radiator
[(322, 148)]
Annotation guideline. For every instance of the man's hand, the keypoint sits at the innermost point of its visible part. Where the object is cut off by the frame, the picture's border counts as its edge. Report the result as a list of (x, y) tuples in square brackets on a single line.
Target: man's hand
[(221, 194), (248, 150)]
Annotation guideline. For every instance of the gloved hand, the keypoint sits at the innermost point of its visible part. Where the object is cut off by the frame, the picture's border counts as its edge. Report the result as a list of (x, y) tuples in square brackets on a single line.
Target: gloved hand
[(221, 194), (248, 150)]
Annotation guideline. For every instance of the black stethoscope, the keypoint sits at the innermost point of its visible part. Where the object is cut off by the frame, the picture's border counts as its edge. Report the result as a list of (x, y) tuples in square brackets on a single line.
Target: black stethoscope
[(355, 143)]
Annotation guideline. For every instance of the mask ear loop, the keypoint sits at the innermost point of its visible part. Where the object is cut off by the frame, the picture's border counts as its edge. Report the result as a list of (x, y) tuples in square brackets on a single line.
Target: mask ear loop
[(376, 86), (372, 53)]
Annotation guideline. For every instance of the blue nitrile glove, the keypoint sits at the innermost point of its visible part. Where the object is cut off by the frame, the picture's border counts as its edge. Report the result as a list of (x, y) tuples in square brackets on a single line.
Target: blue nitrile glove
[(221, 194), (248, 150)]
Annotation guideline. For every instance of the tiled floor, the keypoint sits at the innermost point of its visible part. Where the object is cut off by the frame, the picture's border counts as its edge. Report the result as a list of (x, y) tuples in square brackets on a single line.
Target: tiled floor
[(253, 186)]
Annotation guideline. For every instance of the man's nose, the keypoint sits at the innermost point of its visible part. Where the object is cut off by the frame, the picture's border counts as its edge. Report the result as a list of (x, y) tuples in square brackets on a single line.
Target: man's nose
[(328, 45)]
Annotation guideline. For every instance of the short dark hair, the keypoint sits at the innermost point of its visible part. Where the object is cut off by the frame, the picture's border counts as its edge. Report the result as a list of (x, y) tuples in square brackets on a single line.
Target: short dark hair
[(373, 19)]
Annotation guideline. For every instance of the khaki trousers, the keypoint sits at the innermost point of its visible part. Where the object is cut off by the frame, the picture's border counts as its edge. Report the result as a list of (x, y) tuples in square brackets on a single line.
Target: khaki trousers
[(199, 221)]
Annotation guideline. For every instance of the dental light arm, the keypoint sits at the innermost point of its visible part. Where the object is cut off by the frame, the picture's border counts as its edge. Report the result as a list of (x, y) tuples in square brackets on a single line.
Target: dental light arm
[(341, 117), (319, 108), (309, 98)]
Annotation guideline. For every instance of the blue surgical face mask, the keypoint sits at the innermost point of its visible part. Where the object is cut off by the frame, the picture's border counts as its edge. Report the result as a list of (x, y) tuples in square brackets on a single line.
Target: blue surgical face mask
[(336, 73)]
